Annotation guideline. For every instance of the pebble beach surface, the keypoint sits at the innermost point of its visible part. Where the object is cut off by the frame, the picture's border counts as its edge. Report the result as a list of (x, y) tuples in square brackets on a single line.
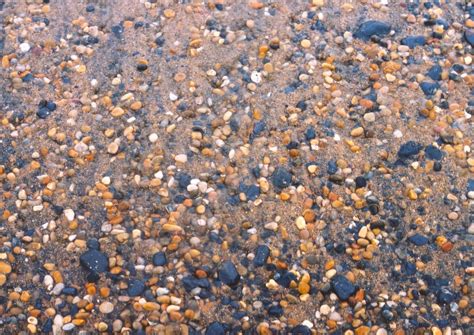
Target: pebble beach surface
[(236, 167)]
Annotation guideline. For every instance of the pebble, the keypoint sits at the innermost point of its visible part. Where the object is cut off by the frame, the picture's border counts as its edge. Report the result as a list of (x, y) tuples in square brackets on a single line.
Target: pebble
[(409, 149), (228, 274), (372, 28), (95, 261), (342, 287), (106, 307), (25, 47)]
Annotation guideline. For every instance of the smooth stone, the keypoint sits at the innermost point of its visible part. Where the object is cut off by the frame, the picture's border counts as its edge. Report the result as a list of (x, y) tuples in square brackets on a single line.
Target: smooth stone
[(408, 149), (281, 178), (94, 260), (106, 307), (469, 37), (435, 72), (418, 240), (370, 28), (135, 288), (342, 287), (301, 330), (216, 328), (433, 153), (159, 259), (261, 255), (413, 41), (429, 88), (228, 274)]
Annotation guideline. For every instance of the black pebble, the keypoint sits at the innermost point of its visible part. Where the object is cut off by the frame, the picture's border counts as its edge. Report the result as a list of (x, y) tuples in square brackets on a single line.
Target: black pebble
[(370, 28), (142, 67), (261, 255), (360, 182), (342, 287), (429, 88), (159, 259), (94, 261), (408, 149), (281, 177), (413, 41), (228, 274), (215, 328), (469, 37), (135, 288)]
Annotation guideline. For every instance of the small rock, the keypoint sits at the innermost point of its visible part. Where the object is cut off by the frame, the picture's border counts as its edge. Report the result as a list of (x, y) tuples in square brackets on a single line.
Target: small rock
[(418, 240), (409, 149), (342, 287), (370, 28), (25, 47), (228, 274), (281, 178), (94, 260), (106, 307), (429, 88), (261, 255), (159, 259), (413, 41)]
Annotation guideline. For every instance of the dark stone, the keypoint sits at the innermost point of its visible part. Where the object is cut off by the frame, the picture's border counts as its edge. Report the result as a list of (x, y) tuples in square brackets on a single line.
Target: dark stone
[(469, 37), (429, 88), (470, 185), (433, 153), (332, 167), (216, 328), (408, 149), (301, 330), (435, 72), (191, 283), (94, 261), (418, 240), (43, 113), (342, 287), (261, 255), (370, 28), (310, 133), (135, 288), (93, 244), (414, 41), (360, 182), (281, 178), (159, 259), (228, 274), (90, 8), (445, 296), (142, 67)]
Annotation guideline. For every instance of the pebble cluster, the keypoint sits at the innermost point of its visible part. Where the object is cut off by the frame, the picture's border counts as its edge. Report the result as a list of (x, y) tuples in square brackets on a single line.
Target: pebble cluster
[(236, 167)]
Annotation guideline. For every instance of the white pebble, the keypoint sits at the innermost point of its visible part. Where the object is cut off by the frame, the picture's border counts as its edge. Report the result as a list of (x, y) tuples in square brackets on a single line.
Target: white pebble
[(153, 137), (24, 47), (256, 77), (69, 213), (397, 134)]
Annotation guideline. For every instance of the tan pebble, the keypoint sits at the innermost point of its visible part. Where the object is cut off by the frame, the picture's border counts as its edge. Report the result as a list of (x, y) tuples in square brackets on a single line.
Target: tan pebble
[(136, 105), (356, 132), (169, 13), (5, 268), (300, 223), (106, 307), (181, 158), (305, 43), (117, 112), (453, 216), (3, 279), (112, 148)]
